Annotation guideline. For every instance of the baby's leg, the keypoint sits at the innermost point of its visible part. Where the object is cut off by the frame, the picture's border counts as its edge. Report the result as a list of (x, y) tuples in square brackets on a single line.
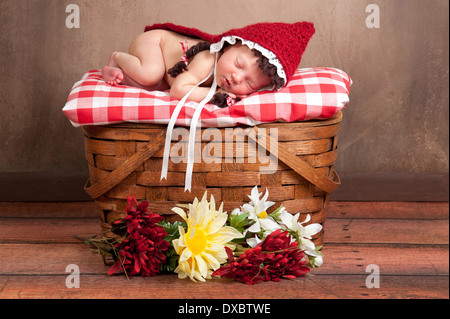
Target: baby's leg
[(145, 62), (113, 75)]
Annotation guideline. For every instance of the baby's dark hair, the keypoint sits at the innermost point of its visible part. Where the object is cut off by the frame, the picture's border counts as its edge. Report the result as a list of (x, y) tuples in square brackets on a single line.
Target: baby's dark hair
[(269, 69), (181, 66), (220, 99)]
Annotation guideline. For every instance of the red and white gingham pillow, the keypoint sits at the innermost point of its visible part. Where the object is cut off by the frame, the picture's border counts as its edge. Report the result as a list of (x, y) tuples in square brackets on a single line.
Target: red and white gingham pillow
[(312, 93)]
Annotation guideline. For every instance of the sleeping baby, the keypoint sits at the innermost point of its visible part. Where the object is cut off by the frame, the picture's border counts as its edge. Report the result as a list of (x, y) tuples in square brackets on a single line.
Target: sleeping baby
[(239, 62)]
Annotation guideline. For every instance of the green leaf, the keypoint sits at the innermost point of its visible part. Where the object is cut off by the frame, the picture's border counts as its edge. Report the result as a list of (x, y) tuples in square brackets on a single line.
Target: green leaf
[(239, 221), (172, 230), (318, 250), (172, 257), (171, 261), (276, 213)]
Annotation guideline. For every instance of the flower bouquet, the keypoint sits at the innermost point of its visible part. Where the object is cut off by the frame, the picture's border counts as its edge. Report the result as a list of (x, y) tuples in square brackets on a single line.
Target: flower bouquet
[(248, 245)]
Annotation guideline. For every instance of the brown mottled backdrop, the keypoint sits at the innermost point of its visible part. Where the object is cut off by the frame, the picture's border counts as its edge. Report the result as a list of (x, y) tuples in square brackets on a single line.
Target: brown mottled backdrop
[(396, 123)]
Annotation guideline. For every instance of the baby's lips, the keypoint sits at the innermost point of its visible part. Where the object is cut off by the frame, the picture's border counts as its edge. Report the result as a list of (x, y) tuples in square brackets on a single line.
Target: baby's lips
[(226, 84)]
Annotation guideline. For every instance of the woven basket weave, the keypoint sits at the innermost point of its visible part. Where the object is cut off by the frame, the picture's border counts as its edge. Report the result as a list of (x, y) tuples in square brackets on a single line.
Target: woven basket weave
[(297, 168)]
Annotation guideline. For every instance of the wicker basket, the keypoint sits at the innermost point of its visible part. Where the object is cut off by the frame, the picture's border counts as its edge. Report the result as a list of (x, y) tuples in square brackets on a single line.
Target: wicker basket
[(297, 168)]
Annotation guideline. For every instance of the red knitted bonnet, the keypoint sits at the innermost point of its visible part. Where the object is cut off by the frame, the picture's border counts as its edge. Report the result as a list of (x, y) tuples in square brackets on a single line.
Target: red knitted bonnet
[(281, 43)]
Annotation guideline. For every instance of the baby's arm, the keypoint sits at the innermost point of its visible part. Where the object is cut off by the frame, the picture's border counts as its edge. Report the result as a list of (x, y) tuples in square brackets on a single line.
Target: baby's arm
[(198, 69)]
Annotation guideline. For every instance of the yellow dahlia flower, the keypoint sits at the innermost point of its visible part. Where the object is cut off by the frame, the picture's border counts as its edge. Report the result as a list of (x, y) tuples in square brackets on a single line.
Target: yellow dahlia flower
[(202, 247)]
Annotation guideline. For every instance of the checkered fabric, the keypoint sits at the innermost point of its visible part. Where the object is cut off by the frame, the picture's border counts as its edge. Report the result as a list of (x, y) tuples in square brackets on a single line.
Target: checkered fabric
[(312, 93)]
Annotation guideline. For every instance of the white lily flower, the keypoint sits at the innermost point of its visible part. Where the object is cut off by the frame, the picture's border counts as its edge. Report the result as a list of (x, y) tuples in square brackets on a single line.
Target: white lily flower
[(304, 233), (256, 205), (318, 261), (257, 212), (253, 241)]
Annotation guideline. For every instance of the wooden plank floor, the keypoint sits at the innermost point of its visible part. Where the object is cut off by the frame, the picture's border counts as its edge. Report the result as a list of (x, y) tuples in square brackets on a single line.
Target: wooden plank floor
[(408, 242)]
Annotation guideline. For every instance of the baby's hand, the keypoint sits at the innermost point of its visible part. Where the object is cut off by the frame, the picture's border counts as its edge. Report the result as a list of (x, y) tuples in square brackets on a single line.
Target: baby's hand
[(224, 98)]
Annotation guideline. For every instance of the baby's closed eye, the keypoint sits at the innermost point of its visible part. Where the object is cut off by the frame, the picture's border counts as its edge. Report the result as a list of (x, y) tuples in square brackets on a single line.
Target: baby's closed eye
[(238, 63), (251, 85)]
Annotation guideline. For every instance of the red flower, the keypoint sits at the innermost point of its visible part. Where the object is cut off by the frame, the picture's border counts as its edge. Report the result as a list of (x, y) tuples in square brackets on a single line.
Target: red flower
[(137, 217), (272, 259), (138, 255), (141, 252)]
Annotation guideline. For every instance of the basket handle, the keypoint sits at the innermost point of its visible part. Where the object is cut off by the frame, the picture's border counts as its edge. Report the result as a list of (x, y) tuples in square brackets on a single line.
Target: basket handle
[(126, 168), (296, 163)]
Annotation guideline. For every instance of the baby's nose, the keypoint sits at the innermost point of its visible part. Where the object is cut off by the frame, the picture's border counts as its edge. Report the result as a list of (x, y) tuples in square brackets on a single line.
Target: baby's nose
[(237, 77)]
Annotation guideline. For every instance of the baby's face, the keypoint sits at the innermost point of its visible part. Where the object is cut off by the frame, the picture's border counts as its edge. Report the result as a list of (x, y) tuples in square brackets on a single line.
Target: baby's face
[(237, 71)]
